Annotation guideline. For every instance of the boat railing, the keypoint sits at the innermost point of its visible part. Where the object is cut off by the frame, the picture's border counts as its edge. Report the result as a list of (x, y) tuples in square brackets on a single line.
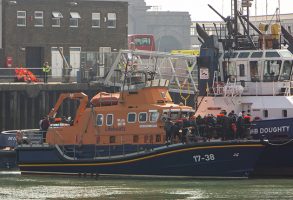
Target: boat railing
[(30, 137), (288, 88), (231, 88)]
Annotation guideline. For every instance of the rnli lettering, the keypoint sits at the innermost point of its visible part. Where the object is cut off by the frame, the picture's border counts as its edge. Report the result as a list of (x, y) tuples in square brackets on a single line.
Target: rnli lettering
[(277, 129)]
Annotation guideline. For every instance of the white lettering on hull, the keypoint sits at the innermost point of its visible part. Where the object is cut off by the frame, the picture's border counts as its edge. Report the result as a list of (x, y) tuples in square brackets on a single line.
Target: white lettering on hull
[(278, 129)]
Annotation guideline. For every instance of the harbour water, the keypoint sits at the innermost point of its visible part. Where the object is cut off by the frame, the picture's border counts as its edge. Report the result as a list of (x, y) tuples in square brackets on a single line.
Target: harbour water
[(14, 186)]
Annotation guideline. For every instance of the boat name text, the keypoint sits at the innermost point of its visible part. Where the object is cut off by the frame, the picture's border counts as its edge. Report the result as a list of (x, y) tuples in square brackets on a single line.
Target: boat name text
[(277, 129)]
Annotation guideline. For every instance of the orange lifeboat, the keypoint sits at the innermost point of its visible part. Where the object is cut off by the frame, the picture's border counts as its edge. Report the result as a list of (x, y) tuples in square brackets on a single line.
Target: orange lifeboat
[(105, 99)]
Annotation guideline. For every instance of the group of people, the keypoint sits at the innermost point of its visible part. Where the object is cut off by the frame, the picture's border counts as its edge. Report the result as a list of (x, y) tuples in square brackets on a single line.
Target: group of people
[(223, 126)]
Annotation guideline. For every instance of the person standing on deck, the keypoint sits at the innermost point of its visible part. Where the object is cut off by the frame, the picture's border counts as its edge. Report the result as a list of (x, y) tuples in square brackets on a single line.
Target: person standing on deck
[(46, 69), (45, 124), (167, 127)]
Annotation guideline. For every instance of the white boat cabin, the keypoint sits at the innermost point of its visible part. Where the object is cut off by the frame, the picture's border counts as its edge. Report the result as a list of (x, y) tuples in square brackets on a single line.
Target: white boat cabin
[(257, 81)]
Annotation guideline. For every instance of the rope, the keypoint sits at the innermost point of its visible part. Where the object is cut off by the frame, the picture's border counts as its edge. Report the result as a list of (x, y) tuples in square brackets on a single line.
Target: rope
[(282, 144)]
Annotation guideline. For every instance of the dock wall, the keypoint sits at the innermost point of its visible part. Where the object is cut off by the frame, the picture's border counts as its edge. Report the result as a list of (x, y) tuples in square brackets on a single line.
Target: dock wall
[(22, 105)]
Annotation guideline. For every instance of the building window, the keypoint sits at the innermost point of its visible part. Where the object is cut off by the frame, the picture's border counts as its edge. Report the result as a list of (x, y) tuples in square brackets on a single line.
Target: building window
[(135, 139), (131, 118), (96, 20), (56, 16), (109, 120), (99, 120), (21, 18), (192, 31), (158, 138), (74, 16), (111, 17), (39, 18), (112, 139)]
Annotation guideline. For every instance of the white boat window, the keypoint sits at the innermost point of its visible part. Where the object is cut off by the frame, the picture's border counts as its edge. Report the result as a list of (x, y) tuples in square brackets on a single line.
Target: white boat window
[(99, 120), (286, 71), (154, 116), (230, 55), (242, 70), (266, 113), (256, 55), (286, 54), (229, 70), (272, 70), (284, 113), (109, 120), (131, 118), (244, 55), (271, 54), (142, 117), (254, 71)]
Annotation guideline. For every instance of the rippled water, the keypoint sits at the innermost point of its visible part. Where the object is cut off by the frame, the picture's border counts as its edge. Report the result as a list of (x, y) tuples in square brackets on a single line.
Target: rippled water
[(15, 186)]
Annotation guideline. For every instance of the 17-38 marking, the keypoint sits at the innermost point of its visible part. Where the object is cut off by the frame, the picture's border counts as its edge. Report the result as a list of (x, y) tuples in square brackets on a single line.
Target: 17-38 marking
[(205, 157)]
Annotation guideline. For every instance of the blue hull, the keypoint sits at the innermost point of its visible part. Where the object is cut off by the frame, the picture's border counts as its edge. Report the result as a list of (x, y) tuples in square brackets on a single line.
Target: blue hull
[(8, 160), (275, 161), (274, 129), (222, 159)]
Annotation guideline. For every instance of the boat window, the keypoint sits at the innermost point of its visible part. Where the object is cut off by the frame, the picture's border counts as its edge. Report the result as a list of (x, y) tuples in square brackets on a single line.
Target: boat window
[(266, 113), (154, 116), (184, 114), (272, 70), (243, 55), (286, 71), (284, 113), (254, 71), (109, 120), (174, 115), (286, 54), (242, 70), (229, 70), (131, 118), (256, 55), (271, 54), (99, 120), (142, 117), (230, 55)]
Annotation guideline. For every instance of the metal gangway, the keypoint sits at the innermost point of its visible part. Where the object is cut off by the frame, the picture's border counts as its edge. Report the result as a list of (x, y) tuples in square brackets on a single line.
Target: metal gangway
[(181, 70)]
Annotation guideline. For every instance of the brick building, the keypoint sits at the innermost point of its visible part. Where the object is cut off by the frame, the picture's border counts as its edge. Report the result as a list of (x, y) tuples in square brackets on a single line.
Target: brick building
[(33, 30)]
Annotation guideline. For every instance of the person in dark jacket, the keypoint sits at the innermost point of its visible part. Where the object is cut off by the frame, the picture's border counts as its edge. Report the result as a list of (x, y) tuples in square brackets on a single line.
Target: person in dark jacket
[(240, 126), (167, 127), (45, 124)]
